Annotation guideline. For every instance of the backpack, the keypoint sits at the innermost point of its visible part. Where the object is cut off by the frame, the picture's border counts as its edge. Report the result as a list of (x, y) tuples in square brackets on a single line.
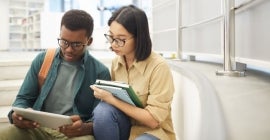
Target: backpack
[(45, 67)]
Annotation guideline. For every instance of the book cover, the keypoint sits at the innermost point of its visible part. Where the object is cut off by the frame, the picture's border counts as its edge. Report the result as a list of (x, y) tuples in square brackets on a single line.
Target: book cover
[(121, 90)]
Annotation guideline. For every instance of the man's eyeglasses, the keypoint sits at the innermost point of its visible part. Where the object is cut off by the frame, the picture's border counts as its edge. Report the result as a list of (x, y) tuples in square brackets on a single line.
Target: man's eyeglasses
[(119, 42), (74, 45)]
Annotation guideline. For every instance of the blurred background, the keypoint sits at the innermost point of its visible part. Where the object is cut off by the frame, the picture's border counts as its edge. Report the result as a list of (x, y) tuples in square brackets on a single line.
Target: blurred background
[(34, 24), (218, 51)]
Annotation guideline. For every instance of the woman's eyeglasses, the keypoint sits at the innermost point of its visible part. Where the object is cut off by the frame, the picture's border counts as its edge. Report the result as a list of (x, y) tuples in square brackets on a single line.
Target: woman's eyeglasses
[(119, 42)]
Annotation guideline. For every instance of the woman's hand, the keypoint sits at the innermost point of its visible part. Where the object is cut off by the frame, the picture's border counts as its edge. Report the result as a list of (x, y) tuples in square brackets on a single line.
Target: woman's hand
[(77, 128), (101, 94), (20, 122)]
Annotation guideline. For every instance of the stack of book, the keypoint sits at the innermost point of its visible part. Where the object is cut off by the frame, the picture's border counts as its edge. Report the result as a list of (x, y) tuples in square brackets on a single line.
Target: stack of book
[(120, 90)]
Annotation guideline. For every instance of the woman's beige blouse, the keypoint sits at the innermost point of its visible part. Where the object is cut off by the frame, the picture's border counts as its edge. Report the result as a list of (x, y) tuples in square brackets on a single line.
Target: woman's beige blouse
[(153, 83)]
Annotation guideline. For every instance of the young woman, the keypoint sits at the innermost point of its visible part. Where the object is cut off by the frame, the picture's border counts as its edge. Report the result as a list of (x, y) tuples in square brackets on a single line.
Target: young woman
[(148, 74)]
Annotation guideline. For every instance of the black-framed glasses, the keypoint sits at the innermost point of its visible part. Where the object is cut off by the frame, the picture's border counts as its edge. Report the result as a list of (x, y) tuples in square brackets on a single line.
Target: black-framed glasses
[(74, 45), (119, 42)]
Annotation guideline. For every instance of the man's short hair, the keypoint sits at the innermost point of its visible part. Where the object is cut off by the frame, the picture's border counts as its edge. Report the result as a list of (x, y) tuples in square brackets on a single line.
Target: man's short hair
[(76, 19)]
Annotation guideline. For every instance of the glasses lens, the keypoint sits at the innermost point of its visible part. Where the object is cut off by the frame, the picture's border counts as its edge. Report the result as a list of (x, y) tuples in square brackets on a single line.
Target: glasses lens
[(109, 38), (120, 42), (75, 44), (62, 43)]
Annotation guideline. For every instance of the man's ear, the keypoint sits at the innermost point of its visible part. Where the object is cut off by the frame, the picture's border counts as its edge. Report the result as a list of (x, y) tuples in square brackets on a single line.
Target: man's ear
[(90, 40)]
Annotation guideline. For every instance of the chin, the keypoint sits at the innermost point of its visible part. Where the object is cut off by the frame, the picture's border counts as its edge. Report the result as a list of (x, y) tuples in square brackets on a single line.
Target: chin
[(69, 58)]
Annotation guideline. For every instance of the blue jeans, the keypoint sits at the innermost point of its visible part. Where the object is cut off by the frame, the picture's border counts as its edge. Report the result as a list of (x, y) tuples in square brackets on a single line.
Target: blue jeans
[(109, 123), (146, 137)]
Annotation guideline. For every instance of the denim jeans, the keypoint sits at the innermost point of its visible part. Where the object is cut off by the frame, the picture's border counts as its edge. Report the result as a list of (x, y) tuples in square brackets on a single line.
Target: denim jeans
[(146, 137), (109, 123)]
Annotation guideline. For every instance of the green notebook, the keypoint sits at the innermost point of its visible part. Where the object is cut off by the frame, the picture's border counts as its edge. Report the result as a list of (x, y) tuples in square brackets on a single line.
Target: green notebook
[(120, 90)]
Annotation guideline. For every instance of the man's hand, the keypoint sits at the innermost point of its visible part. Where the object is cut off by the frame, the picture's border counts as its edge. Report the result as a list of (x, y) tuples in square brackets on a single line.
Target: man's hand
[(20, 122), (78, 128)]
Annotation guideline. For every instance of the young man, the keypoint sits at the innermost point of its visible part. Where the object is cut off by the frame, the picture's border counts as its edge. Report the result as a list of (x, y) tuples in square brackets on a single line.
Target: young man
[(66, 88)]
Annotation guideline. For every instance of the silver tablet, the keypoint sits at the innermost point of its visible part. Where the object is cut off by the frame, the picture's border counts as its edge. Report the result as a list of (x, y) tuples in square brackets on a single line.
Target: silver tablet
[(44, 119)]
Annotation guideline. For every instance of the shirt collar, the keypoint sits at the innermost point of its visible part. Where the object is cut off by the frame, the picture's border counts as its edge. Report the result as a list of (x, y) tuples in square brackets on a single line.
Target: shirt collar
[(140, 66)]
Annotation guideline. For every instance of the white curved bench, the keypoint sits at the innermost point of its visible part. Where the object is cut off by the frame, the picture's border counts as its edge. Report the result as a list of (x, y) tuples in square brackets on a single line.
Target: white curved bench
[(196, 110)]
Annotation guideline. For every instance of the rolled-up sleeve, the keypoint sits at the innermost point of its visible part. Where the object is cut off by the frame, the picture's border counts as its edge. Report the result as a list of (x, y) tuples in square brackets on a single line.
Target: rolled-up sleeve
[(161, 89)]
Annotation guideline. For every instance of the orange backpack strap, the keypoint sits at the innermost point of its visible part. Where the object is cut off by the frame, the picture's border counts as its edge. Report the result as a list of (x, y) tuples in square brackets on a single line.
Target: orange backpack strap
[(45, 67)]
